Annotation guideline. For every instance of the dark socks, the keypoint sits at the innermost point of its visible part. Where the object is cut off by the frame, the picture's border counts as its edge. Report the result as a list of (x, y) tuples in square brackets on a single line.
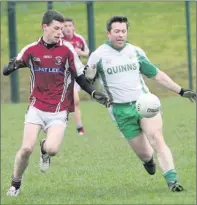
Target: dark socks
[(16, 182), (42, 147)]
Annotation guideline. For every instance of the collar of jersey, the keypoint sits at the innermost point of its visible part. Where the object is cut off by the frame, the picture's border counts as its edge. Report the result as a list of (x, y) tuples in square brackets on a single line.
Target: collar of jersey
[(59, 43), (110, 44)]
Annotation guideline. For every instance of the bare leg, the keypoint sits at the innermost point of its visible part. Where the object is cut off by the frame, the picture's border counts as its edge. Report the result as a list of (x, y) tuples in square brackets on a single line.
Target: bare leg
[(153, 130), (142, 147), (31, 132), (51, 145), (77, 113), (144, 151), (55, 135)]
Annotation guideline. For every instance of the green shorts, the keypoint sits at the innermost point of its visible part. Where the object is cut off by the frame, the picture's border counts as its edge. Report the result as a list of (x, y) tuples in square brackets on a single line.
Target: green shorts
[(127, 119)]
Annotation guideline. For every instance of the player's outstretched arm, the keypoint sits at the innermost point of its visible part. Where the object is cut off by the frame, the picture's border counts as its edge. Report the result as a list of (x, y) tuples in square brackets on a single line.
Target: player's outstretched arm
[(167, 82), (98, 96), (12, 66)]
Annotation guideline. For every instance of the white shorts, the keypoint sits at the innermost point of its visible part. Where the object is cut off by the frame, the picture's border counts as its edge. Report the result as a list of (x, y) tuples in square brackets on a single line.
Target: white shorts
[(77, 87), (45, 119)]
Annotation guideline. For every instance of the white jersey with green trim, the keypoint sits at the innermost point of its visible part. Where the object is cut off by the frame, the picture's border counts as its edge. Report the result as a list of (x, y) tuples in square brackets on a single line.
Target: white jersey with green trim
[(120, 71)]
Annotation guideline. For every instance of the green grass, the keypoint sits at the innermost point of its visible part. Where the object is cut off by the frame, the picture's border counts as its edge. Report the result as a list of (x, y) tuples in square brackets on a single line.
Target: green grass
[(100, 168), (157, 27)]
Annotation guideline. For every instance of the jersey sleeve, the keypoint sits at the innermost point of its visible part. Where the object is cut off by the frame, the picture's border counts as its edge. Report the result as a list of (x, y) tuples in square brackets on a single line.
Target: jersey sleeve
[(146, 67), (85, 46), (74, 63), (93, 60), (92, 66), (24, 55)]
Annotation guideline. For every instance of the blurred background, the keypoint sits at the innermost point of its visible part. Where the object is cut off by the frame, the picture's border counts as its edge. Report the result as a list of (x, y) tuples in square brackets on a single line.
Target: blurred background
[(160, 28)]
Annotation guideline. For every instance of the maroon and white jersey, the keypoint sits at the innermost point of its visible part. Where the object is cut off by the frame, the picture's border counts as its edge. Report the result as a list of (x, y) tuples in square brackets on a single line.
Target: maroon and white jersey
[(78, 42), (52, 75)]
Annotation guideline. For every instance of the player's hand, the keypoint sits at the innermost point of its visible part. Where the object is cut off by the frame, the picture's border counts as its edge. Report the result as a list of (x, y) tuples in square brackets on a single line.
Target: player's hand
[(101, 98), (12, 66), (8, 69), (187, 93)]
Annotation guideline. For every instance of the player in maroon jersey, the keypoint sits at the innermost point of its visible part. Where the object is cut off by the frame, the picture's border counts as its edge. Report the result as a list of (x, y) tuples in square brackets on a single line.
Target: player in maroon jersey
[(82, 50), (54, 66)]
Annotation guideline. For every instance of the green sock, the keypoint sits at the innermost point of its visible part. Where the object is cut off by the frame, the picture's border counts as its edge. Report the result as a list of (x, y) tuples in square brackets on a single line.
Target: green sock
[(171, 176)]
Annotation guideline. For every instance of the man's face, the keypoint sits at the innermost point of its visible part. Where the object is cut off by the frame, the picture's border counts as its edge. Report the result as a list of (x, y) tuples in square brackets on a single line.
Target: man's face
[(118, 34), (53, 32), (68, 29)]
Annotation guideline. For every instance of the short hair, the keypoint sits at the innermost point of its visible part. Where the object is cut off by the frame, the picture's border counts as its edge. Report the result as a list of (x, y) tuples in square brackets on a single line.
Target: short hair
[(51, 15), (68, 19), (113, 19)]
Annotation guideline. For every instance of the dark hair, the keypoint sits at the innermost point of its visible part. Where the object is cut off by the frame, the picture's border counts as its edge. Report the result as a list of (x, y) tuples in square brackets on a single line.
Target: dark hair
[(51, 15), (113, 19), (68, 19)]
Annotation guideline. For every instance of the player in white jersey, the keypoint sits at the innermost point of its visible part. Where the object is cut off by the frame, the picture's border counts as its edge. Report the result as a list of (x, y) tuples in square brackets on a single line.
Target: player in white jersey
[(119, 66)]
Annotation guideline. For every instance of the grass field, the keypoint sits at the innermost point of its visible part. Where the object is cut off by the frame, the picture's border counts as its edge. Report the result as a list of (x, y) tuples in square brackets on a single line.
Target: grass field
[(157, 27), (99, 168)]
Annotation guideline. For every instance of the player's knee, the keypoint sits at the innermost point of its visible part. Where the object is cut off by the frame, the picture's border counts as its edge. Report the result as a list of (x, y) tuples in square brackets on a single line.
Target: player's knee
[(26, 151), (52, 151), (145, 156)]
